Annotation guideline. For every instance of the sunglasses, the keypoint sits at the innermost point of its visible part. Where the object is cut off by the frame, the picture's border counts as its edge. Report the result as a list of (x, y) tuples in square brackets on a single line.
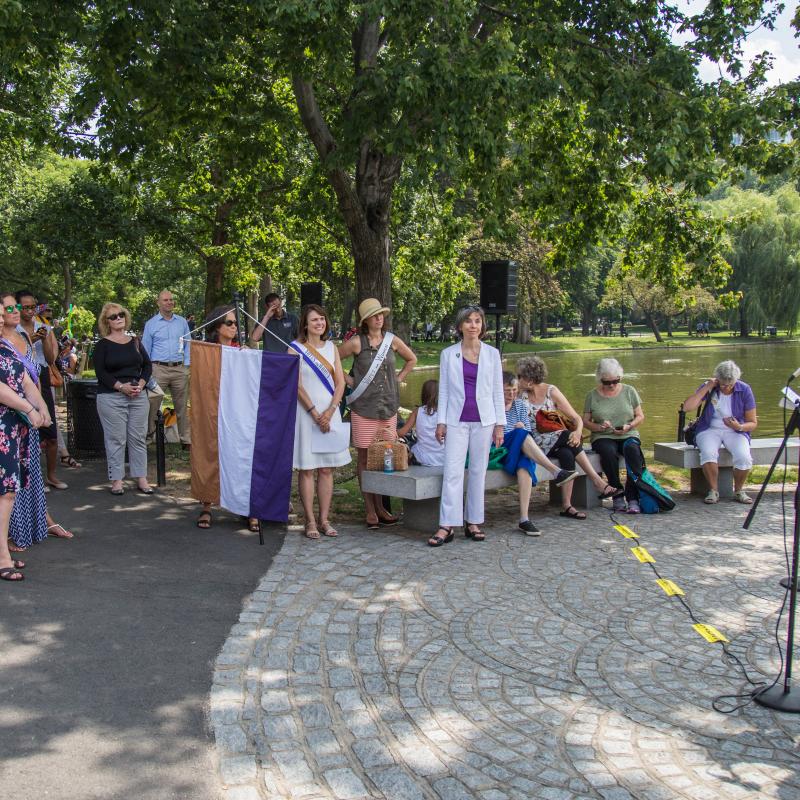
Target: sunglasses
[(112, 317), (12, 309), (611, 383), (229, 322), (28, 308)]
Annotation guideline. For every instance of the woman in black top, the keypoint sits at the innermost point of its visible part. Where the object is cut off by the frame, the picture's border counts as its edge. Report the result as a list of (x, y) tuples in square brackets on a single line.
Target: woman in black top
[(123, 368)]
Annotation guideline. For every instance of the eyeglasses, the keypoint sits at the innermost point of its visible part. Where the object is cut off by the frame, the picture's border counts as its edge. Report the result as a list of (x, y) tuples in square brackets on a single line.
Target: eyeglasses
[(229, 322), (12, 309), (611, 383), (112, 317)]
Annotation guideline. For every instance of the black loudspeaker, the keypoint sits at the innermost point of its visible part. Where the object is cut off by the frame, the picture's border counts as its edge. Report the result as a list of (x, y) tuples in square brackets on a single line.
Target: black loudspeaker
[(499, 287), (311, 293)]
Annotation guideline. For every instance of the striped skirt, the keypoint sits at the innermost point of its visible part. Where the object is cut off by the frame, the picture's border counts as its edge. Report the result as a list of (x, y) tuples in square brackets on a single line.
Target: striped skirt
[(365, 429)]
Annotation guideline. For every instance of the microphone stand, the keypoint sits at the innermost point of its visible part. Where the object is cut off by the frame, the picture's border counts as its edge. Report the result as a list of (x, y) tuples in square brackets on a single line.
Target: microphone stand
[(782, 696)]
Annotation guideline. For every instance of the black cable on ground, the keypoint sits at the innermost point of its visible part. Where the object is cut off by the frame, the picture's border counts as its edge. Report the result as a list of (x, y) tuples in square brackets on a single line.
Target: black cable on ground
[(728, 656)]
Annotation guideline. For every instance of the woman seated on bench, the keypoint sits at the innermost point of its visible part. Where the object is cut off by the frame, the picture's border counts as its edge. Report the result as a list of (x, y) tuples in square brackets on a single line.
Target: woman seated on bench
[(728, 417), (613, 412), (565, 445), (523, 452)]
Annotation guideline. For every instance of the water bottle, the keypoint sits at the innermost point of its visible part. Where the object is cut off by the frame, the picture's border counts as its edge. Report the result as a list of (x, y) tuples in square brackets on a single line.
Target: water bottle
[(388, 459)]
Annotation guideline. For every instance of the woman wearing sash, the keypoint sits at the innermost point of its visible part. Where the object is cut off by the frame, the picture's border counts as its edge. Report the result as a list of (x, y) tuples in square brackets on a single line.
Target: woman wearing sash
[(319, 393), (376, 396)]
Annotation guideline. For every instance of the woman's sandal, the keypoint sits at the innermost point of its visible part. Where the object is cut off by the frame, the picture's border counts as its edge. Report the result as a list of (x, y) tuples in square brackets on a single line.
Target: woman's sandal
[(11, 574), (373, 526), (572, 513), (438, 541), (385, 522), (474, 532), (253, 525), (69, 461), (204, 520), (605, 494), (328, 530), (311, 530), (65, 534)]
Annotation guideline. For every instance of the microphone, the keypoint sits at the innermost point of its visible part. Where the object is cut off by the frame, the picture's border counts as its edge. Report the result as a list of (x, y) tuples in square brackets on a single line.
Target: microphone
[(795, 374)]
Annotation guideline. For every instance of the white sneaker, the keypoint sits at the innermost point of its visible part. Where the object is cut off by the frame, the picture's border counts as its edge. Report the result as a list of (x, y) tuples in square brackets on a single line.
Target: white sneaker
[(712, 497)]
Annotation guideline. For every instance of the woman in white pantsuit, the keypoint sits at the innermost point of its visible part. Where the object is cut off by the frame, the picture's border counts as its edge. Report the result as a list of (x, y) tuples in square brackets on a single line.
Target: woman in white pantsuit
[(471, 418)]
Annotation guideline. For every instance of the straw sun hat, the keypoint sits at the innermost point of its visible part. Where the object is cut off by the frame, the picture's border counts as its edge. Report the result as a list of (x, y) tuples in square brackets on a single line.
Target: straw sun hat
[(369, 308)]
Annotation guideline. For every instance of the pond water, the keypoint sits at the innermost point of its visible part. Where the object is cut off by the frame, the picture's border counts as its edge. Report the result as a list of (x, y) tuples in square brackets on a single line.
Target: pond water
[(664, 377)]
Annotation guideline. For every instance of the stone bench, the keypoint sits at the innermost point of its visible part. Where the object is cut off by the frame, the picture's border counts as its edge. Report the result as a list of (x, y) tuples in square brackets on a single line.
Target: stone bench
[(420, 488), (680, 454)]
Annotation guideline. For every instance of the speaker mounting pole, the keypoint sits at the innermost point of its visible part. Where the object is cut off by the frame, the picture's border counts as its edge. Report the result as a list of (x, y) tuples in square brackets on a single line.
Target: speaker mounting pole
[(497, 331)]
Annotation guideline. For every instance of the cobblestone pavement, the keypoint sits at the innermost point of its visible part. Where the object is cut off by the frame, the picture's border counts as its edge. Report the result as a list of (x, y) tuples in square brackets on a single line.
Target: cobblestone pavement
[(554, 668)]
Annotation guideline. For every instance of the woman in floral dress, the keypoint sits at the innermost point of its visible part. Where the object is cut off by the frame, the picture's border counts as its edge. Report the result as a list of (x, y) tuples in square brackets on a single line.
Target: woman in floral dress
[(30, 522), (18, 393)]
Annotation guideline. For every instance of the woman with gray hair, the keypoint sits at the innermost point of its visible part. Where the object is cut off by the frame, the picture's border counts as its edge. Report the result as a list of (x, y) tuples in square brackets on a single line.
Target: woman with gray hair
[(727, 419), (613, 412)]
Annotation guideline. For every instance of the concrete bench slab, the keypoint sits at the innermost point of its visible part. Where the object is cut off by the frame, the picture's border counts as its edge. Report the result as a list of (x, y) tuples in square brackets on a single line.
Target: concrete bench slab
[(680, 454), (420, 488)]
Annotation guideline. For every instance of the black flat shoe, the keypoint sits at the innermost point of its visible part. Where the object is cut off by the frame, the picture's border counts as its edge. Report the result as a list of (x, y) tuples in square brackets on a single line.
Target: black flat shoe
[(117, 491), (148, 490), (606, 494)]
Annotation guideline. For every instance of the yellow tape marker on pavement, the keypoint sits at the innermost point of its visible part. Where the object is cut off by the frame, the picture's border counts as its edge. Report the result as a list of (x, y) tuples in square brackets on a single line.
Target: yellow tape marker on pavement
[(709, 632), (625, 531), (643, 555), (669, 587)]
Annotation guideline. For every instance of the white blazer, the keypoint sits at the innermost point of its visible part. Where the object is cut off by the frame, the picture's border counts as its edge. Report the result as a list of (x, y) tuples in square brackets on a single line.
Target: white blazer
[(488, 390)]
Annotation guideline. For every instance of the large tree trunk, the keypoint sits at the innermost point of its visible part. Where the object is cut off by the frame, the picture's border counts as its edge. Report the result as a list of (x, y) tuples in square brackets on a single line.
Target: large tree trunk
[(651, 321), (744, 328), (586, 320), (215, 263), (523, 332), (365, 203)]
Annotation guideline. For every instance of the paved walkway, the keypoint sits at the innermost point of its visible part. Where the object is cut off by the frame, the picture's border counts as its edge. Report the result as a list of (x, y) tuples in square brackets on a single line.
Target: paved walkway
[(107, 648), (554, 668)]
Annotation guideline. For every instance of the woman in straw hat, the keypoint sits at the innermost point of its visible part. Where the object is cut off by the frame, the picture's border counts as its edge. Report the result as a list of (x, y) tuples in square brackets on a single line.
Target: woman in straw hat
[(375, 397)]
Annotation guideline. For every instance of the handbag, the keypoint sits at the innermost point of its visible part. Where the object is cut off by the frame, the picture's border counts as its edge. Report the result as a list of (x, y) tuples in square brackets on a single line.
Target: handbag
[(376, 450), (56, 378), (690, 430), (551, 421)]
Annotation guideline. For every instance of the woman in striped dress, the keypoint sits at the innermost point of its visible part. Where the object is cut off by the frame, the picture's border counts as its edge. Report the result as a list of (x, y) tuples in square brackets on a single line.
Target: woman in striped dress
[(376, 391)]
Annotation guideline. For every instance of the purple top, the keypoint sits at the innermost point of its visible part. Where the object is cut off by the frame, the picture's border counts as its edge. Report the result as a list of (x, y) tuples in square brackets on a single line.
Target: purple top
[(742, 399), (470, 411)]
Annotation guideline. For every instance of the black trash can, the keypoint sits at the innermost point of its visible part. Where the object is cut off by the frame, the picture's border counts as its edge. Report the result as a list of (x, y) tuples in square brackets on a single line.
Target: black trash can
[(84, 430)]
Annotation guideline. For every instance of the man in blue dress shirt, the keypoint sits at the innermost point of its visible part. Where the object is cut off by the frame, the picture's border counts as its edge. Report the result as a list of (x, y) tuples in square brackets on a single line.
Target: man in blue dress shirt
[(170, 357)]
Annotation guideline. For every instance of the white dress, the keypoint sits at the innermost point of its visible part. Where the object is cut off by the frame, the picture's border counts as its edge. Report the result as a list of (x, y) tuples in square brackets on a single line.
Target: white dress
[(427, 450), (303, 457)]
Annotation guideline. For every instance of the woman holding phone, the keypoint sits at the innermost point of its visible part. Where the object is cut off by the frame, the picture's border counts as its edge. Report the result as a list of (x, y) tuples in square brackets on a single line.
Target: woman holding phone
[(613, 413)]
